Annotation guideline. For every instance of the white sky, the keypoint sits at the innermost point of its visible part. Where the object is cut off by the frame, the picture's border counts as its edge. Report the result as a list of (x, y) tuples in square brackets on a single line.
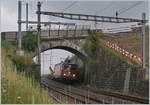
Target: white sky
[(105, 8)]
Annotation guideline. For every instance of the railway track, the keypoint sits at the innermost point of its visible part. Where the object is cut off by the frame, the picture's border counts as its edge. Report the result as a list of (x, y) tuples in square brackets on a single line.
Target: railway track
[(122, 96), (89, 95), (74, 94)]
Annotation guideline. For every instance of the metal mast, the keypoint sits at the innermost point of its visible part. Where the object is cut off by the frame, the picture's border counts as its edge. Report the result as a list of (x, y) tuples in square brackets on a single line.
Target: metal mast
[(38, 35), (26, 16), (19, 27)]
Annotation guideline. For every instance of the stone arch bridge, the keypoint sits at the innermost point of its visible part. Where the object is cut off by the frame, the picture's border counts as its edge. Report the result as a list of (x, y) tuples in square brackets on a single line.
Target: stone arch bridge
[(69, 40)]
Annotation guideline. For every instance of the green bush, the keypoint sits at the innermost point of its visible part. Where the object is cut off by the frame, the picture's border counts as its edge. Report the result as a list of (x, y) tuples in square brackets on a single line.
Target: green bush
[(6, 45), (34, 72), (18, 89), (22, 63), (19, 63), (91, 48), (92, 65), (29, 42), (30, 70)]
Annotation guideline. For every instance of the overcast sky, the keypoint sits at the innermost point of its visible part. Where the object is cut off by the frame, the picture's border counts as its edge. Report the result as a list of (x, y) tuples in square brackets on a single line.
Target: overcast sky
[(104, 8)]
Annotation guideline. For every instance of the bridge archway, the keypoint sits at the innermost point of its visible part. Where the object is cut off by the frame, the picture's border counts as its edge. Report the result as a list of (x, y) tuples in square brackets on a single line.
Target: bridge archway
[(81, 63), (72, 50)]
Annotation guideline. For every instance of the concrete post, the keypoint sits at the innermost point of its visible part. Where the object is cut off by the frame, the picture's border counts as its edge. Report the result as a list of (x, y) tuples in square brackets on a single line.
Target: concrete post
[(143, 39), (144, 46), (127, 81), (19, 51)]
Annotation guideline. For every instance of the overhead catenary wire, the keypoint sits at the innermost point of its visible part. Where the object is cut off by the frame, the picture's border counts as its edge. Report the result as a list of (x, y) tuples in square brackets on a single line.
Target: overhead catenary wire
[(66, 8), (69, 6), (123, 10), (129, 8), (104, 9)]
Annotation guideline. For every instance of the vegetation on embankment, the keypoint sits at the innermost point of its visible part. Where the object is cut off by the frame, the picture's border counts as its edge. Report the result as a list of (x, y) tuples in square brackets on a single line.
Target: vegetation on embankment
[(112, 52), (103, 38), (23, 63), (92, 46), (29, 42), (91, 49), (108, 69), (17, 88)]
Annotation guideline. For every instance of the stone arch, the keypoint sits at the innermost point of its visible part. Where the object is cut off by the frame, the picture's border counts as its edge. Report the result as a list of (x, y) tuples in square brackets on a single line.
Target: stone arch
[(65, 45), (72, 50)]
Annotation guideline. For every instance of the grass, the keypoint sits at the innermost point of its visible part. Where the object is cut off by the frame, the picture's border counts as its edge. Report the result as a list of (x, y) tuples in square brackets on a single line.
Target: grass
[(18, 89)]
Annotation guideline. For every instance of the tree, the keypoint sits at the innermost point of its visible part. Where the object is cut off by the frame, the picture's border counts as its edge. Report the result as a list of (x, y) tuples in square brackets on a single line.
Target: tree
[(91, 48), (29, 42)]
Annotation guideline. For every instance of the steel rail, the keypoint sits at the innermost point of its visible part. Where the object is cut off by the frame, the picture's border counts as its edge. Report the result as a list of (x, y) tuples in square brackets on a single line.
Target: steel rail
[(51, 95), (76, 96), (59, 90), (108, 93), (122, 96), (79, 94)]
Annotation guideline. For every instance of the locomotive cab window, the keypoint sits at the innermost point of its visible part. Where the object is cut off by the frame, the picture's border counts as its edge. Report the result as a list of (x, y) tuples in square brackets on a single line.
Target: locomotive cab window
[(66, 66), (70, 67), (73, 67)]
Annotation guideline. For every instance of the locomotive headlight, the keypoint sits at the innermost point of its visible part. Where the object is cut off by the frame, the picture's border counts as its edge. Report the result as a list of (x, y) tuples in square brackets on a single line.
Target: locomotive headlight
[(73, 75), (64, 74)]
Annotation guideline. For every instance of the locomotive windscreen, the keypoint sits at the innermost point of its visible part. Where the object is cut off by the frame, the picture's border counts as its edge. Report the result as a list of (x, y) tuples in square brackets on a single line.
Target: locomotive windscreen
[(70, 67)]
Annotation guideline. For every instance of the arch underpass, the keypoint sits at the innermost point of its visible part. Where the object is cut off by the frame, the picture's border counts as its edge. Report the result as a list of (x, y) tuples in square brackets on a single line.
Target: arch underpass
[(79, 54), (74, 51), (65, 45)]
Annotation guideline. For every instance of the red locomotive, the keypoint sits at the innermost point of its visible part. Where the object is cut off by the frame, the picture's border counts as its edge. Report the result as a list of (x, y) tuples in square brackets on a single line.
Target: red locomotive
[(65, 71)]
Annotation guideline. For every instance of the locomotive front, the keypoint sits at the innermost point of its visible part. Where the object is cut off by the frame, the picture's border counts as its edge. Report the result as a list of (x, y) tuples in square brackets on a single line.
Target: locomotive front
[(70, 72)]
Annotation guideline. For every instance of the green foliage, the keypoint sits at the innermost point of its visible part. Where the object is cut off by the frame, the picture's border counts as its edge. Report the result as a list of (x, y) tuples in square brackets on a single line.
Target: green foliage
[(91, 44), (92, 65), (6, 45), (91, 48), (18, 89), (19, 63), (22, 65), (33, 72), (18, 79), (29, 42)]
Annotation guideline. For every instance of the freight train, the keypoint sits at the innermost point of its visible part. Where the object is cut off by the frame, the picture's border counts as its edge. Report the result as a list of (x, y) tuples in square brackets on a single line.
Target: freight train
[(65, 71)]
